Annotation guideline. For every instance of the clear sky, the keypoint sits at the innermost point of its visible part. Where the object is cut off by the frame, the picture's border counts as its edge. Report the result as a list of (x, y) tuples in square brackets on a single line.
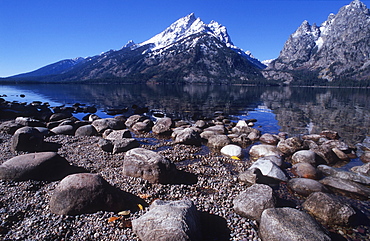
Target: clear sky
[(35, 33)]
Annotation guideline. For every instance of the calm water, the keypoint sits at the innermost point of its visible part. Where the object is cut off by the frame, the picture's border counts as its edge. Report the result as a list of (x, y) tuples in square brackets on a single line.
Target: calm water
[(296, 110)]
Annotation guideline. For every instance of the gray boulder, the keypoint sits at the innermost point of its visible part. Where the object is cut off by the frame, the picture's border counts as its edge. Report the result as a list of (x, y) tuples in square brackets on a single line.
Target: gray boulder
[(218, 141), (86, 130), (86, 193), (169, 220), (306, 156), (217, 129), (253, 201), (28, 121), (351, 176), (132, 120), (35, 166), (331, 210), (290, 145), (288, 224), (144, 126), (263, 150), (63, 130), (364, 169), (269, 139), (118, 134), (109, 123), (188, 136), (149, 165), (346, 187), (305, 170), (269, 169), (163, 126), (232, 150), (305, 186), (27, 139), (124, 145)]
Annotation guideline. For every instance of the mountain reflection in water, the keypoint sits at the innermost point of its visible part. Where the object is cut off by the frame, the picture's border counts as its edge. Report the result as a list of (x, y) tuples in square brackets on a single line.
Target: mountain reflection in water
[(296, 110)]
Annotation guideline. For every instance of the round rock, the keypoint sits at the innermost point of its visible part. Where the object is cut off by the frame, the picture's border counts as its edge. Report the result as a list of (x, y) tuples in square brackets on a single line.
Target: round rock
[(305, 186), (232, 150)]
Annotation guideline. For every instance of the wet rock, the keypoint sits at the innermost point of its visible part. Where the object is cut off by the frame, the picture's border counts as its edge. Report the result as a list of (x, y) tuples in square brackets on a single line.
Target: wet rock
[(201, 124), (254, 136), (149, 165), (346, 187), (163, 126), (263, 150), (206, 134), (109, 123), (118, 134), (269, 139), (232, 150), (331, 210), (304, 156), (242, 140), (269, 169), (86, 130), (290, 224), (134, 119), (313, 137), (169, 220), (365, 157), (218, 141), (245, 130), (305, 170), (188, 136), (290, 145), (253, 201), (34, 166), (364, 169), (305, 186), (217, 129), (86, 193), (63, 130), (351, 176), (144, 126), (27, 139), (326, 153), (331, 135)]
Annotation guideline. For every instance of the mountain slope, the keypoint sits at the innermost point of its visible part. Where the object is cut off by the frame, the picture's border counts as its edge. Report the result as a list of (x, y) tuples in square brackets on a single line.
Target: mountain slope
[(338, 50), (187, 51)]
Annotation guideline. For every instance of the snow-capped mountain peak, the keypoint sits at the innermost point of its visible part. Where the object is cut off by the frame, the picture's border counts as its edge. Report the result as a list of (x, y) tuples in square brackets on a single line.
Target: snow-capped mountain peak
[(185, 27)]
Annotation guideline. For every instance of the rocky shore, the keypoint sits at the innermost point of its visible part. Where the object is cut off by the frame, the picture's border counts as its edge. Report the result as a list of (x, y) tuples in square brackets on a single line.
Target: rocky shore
[(136, 178)]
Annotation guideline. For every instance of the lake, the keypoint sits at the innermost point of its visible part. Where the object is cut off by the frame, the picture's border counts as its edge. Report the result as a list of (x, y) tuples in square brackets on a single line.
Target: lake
[(296, 110)]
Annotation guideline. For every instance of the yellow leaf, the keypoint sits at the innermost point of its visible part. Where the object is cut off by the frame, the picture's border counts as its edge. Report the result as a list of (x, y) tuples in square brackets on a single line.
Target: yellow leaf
[(144, 196), (124, 213), (112, 219), (235, 158), (140, 206)]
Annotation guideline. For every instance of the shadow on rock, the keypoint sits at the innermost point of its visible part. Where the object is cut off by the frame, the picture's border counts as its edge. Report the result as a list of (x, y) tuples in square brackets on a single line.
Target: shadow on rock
[(214, 227)]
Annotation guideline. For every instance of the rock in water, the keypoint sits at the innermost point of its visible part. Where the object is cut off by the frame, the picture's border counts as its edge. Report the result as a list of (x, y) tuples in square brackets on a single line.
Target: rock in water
[(253, 201), (280, 224), (169, 220), (149, 165), (328, 209), (162, 126)]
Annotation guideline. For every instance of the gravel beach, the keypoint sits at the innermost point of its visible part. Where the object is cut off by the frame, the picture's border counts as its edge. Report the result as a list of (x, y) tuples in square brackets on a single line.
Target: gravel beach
[(25, 212)]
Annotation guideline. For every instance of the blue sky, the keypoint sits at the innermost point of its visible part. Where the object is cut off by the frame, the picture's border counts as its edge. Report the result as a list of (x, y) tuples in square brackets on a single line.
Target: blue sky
[(40, 32)]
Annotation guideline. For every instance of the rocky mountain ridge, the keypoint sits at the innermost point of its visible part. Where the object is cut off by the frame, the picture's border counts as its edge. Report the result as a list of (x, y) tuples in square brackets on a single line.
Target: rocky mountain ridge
[(338, 49)]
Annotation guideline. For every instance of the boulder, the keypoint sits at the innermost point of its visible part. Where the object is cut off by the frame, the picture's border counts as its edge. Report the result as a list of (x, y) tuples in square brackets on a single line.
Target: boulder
[(134, 119), (9, 127), (63, 130), (35, 166), (118, 134), (248, 177), (232, 150), (305, 170), (331, 135), (278, 160), (305, 186), (163, 126), (201, 124), (326, 153), (27, 139), (124, 145), (269, 169), (144, 126), (290, 145), (331, 210), (365, 157), (149, 165), (109, 123), (253, 201), (269, 139), (169, 220), (206, 134), (217, 129), (60, 116), (290, 224), (218, 141), (304, 156), (336, 172), (86, 130), (28, 121), (346, 187), (188, 136), (86, 193), (364, 169), (263, 150)]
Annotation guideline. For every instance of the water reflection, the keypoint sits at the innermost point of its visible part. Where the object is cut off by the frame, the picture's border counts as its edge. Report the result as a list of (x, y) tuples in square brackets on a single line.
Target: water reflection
[(297, 110)]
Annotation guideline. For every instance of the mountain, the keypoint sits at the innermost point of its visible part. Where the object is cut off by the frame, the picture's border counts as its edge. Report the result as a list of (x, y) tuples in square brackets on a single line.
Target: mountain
[(187, 51), (336, 51)]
